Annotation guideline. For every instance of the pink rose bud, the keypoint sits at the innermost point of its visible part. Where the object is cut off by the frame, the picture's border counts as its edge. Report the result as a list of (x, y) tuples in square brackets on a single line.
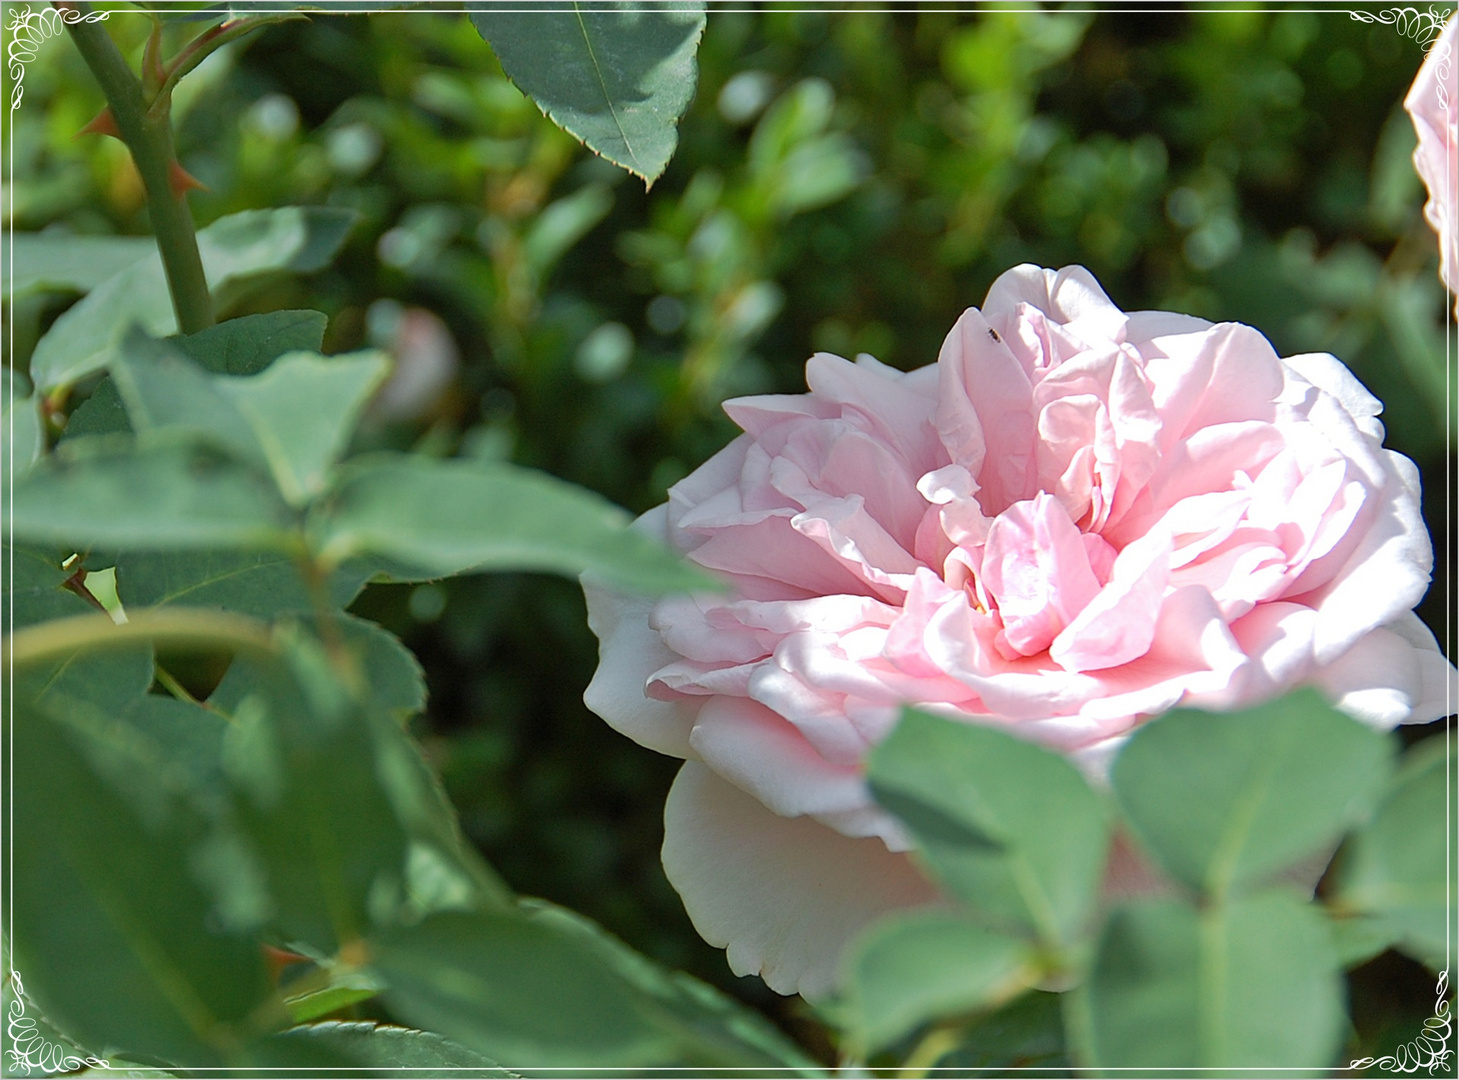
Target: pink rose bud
[(1434, 106), (1075, 520)]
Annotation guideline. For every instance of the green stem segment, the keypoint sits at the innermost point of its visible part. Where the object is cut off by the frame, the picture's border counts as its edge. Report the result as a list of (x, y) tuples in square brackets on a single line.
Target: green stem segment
[(148, 135)]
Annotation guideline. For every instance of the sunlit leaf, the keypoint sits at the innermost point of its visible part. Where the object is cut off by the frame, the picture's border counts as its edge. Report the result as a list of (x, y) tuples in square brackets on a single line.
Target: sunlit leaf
[(68, 263), (347, 819), (914, 968), (1398, 869), (447, 517), (300, 755), (1248, 984), (81, 341), (247, 345), (1012, 829), (293, 419), (616, 75), (517, 991), (385, 1046), (114, 934), (100, 492), (302, 411), (259, 583), (242, 346), (1224, 799), (709, 1025)]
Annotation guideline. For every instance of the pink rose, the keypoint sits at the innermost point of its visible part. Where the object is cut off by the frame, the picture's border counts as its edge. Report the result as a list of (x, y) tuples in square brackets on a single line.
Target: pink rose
[(1073, 521), (1432, 104)]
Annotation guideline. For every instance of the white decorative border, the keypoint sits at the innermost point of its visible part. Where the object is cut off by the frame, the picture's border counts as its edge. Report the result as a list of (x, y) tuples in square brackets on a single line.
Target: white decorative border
[(1424, 26), (30, 1050), (28, 29), (1429, 1050)]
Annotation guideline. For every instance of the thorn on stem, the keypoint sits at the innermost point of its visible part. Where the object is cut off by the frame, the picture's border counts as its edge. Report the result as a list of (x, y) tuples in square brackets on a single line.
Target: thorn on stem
[(279, 959), (181, 181), (103, 123)]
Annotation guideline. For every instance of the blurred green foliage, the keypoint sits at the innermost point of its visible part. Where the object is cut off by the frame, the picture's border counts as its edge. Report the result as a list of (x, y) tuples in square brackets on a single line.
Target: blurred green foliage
[(845, 181)]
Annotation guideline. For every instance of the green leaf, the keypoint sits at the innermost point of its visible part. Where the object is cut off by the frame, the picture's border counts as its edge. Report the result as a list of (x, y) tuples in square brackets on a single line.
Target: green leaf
[(294, 418), (443, 871), (1399, 867), (106, 492), (618, 76), (516, 990), (81, 341), (397, 683), (396, 679), (447, 517), (126, 1070), (32, 587), (1226, 799), (101, 414), (1026, 1034), (36, 1047), (545, 988), (187, 737), (165, 392), (302, 411), (112, 680), (344, 990), (710, 1026), (264, 584), (115, 936), (351, 826), (68, 263), (206, 10), (1248, 984), (910, 969), (300, 758), (20, 425), (247, 345), (1357, 939), (395, 1049), (242, 346), (1011, 829), (562, 224)]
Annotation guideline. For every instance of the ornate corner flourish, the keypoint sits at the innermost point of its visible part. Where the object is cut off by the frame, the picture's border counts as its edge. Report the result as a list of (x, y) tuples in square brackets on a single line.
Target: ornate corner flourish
[(32, 1051), (1423, 25), (1429, 1050), (28, 28)]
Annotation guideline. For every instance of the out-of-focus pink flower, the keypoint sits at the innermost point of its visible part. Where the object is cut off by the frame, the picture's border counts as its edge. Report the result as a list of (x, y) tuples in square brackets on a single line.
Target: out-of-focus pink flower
[(1073, 521), (1434, 106), (426, 359)]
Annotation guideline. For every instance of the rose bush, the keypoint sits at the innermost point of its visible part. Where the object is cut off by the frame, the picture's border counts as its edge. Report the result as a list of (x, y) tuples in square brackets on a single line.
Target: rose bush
[(1434, 107), (1074, 520)]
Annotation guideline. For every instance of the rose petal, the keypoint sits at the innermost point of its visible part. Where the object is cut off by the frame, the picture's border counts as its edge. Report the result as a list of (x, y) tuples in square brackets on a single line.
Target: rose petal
[(766, 755), (1118, 624), (785, 895), (1391, 675), (629, 651), (1036, 567), (1228, 374), (984, 412), (894, 407)]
